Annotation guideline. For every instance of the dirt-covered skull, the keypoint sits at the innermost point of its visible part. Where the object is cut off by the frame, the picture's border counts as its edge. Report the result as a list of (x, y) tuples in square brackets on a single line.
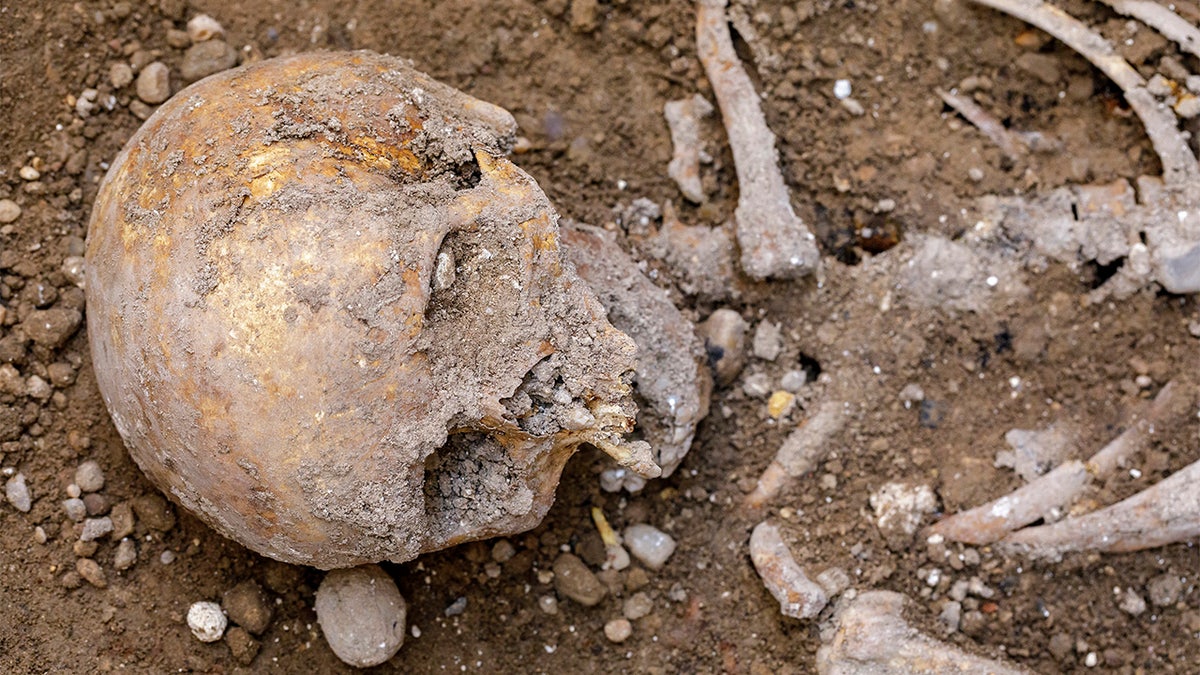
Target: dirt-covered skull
[(331, 319)]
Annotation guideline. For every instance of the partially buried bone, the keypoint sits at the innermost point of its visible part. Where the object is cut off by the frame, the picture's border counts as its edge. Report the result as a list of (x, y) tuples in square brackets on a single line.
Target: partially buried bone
[(672, 379), (683, 118), (871, 637), (798, 596), (775, 242)]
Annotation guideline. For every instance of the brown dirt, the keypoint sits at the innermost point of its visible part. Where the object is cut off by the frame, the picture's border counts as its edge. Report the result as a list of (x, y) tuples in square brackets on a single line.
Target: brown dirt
[(590, 103)]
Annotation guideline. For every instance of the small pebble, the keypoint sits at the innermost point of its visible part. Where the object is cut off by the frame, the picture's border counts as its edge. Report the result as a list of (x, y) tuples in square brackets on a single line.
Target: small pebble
[(154, 512), (17, 493), (793, 381), (248, 606), (457, 607), (39, 535), (91, 572), (573, 579), (203, 27), (1164, 590), (724, 334), (780, 404), (154, 83), (96, 504), (85, 549), (89, 476), (166, 557), (842, 89), (548, 604), (94, 528), (38, 389), (768, 340), (29, 173), (9, 211), (207, 621), (975, 174), (75, 508), (503, 551), (618, 630), (242, 646), (122, 520), (120, 75), (950, 616), (361, 613), (756, 385), (833, 581), (637, 605), (73, 491), (1132, 603), (206, 58), (126, 555), (650, 545)]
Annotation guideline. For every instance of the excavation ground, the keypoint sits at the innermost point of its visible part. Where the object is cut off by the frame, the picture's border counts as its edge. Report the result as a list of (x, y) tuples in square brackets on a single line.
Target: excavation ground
[(587, 82)]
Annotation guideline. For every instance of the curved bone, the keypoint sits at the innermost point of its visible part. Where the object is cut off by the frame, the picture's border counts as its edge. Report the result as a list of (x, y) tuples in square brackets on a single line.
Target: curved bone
[(1179, 165), (1161, 19), (1055, 491)]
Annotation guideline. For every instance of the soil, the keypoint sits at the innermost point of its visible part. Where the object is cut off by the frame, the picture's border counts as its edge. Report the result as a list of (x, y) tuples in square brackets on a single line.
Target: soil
[(586, 82)]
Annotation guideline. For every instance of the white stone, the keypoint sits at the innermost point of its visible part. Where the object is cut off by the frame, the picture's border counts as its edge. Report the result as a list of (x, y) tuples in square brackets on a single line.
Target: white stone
[(207, 621), (650, 545)]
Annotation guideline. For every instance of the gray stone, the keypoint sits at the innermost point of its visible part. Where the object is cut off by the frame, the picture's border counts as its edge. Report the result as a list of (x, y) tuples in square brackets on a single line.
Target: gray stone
[(637, 605), (75, 509), (206, 58), (17, 493), (768, 340), (89, 476), (126, 555), (1164, 590), (362, 614), (94, 528)]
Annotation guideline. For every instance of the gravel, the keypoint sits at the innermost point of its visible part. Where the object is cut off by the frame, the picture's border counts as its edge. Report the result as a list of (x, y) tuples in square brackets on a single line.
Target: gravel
[(125, 556), (637, 605), (75, 509), (207, 621), (9, 211), (248, 606), (91, 572), (503, 551), (203, 27), (573, 579), (362, 615), (154, 83), (89, 476), (17, 493), (650, 545), (94, 528), (724, 334), (206, 58), (768, 341), (1164, 590), (618, 630)]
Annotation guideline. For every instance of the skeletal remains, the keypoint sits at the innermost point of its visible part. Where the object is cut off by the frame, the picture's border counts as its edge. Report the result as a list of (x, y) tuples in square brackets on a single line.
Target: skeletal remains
[(348, 333)]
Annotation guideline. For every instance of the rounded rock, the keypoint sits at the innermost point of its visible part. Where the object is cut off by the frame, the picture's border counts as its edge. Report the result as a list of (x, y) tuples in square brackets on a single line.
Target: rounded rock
[(248, 606), (574, 579), (9, 211), (17, 493), (89, 476), (650, 545), (362, 614), (154, 83), (618, 630), (203, 27), (207, 621), (207, 58), (724, 333)]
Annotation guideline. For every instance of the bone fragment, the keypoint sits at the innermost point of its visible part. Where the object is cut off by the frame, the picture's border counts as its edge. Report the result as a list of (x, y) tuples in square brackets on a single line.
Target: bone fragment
[(872, 638), (1164, 513), (1051, 495), (683, 118), (987, 124), (1179, 164), (671, 375), (702, 259), (775, 242), (798, 596), (801, 451)]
